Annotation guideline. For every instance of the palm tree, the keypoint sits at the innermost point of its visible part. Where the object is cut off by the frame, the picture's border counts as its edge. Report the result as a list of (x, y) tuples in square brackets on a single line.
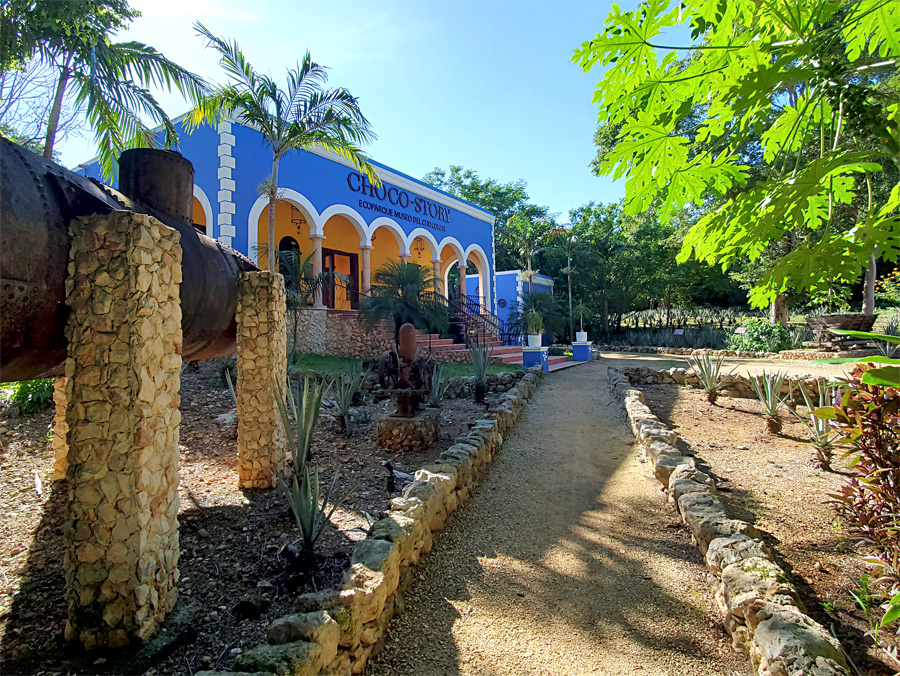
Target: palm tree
[(524, 238), (566, 242), (112, 81), (301, 117), (405, 292)]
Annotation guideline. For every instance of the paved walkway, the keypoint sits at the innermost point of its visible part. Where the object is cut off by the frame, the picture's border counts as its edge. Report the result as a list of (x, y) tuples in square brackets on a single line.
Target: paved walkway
[(566, 561)]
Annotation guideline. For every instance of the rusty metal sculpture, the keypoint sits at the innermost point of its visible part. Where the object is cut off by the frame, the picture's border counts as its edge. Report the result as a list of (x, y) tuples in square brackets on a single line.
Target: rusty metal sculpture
[(403, 376), (38, 201)]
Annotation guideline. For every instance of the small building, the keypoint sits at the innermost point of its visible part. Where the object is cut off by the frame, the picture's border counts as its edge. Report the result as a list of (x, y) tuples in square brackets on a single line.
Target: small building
[(512, 287), (325, 206)]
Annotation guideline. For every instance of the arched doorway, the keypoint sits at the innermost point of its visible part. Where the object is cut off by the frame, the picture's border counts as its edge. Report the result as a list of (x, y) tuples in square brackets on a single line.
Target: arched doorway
[(198, 216), (290, 262), (340, 255), (290, 223)]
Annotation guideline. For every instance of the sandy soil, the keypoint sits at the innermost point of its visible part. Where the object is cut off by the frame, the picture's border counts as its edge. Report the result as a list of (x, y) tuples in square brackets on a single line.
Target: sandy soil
[(568, 560), (230, 538)]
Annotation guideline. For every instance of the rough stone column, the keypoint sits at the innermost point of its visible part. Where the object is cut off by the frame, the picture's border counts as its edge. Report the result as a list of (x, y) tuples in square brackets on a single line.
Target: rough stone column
[(462, 281), (60, 428), (365, 269), (262, 370), (122, 379), (317, 268), (436, 273)]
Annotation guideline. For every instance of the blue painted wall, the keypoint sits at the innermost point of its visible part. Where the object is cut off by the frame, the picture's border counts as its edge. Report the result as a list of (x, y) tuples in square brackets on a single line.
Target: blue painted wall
[(511, 288), (324, 183)]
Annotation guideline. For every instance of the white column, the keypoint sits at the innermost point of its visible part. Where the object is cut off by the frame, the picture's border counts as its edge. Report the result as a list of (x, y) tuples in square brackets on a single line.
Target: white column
[(436, 273), (317, 268), (404, 258), (462, 281), (365, 272)]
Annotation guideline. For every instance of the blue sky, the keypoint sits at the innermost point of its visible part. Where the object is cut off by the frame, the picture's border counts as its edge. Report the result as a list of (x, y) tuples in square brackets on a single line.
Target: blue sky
[(488, 85)]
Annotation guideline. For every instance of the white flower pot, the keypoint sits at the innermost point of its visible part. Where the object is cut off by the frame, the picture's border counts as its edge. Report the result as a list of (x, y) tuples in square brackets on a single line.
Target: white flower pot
[(581, 336), (534, 340)]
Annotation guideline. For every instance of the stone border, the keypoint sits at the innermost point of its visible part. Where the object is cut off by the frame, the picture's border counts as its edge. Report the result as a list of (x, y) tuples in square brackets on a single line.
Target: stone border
[(334, 632), (801, 355), (762, 609), (730, 384)]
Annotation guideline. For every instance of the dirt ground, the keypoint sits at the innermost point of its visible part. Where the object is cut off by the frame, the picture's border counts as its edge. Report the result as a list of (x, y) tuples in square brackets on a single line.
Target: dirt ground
[(230, 538), (773, 482), (567, 561)]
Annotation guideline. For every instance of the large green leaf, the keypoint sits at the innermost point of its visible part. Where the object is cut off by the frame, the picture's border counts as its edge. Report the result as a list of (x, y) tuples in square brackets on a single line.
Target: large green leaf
[(873, 27), (887, 376), (870, 336)]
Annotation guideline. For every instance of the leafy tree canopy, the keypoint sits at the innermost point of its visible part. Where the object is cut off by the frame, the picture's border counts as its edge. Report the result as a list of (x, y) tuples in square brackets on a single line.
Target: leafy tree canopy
[(29, 26), (800, 84)]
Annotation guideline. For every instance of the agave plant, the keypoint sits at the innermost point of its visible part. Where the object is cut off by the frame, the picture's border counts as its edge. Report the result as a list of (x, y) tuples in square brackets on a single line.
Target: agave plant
[(481, 360), (308, 504), (708, 371), (439, 385), (822, 436), (767, 387), (346, 391), (891, 328)]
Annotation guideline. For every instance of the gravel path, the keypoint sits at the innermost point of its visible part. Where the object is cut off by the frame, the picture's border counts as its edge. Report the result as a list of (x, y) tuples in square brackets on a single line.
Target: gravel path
[(566, 561)]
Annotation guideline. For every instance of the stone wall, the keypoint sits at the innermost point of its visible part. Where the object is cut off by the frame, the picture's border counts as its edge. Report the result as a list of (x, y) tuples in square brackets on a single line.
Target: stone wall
[(803, 355), (60, 429), (122, 381), (497, 383), (262, 368), (306, 330), (730, 384), (335, 631), (414, 434), (347, 336), (762, 608)]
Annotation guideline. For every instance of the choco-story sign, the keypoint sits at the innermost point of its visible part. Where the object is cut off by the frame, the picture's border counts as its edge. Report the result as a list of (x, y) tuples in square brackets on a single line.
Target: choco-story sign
[(396, 203)]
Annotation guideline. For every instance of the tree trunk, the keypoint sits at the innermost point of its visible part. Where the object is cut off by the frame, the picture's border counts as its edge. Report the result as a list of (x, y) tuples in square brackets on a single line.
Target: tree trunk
[(271, 255), (778, 311), (868, 307), (605, 316), (571, 330), (56, 109)]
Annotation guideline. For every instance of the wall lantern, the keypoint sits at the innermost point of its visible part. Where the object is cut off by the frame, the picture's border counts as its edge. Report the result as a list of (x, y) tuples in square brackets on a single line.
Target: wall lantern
[(297, 218), (418, 246)]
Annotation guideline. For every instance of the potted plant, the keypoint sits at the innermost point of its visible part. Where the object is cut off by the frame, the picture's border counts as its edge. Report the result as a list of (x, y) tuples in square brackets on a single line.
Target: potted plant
[(581, 312), (535, 323)]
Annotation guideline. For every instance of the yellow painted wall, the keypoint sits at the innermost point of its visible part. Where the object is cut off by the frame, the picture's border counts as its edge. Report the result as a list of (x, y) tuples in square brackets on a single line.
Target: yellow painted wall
[(341, 265), (198, 216), (384, 248), (340, 235), (423, 258), (284, 227)]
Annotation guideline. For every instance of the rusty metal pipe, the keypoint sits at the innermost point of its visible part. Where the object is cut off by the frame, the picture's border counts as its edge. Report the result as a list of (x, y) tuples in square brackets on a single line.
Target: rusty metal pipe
[(38, 200)]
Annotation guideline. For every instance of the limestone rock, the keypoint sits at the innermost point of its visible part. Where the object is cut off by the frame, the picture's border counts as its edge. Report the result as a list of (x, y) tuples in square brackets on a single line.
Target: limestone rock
[(288, 659), (666, 464), (756, 579), (726, 550), (317, 627), (788, 643)]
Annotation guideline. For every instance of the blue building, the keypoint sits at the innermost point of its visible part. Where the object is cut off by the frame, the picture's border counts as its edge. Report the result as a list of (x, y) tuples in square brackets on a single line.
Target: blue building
[(328, 208), (511, 286)]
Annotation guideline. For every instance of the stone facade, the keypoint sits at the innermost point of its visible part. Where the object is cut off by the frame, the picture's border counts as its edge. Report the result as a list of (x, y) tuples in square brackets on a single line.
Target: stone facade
[(347, 336), (334, 632), (262, 374), (60, 428), (306, 330), (761, 607), (122, 380), (410, 434)]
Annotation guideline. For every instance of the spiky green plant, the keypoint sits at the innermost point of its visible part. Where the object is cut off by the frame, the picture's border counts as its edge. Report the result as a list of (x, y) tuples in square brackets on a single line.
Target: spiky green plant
[(822, 436), (346, 390), (708, 371), (308, 504), (767, 388), (439, 385), (481, 361), (891, 328)]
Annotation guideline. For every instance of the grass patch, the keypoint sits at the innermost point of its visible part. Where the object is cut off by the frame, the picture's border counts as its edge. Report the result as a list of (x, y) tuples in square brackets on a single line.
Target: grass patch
[(332, 366)]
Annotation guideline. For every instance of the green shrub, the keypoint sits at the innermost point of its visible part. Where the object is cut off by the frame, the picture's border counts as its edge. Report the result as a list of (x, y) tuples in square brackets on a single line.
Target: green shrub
[(31, 396), (761, 336)]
